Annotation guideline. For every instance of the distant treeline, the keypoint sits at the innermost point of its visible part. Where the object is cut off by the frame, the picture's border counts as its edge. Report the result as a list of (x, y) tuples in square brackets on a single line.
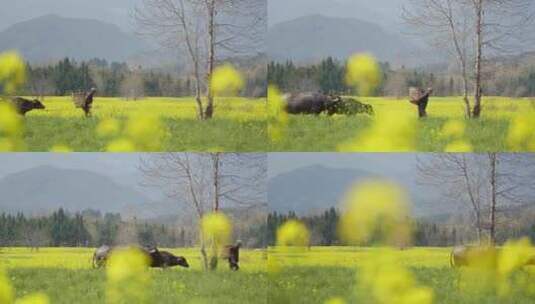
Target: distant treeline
[(323, 230), (328, 76), (119, 80), (91, 229)]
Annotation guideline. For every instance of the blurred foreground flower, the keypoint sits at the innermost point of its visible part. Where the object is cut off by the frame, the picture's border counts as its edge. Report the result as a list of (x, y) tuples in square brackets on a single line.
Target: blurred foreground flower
[(143, 132), (293, 233), (277, 116), (363, 73), (216, 227), (11, 128), (454, 132), (390, 132), (226, 81), (12, 71), (38, 298), (335, 301), (7, 293), (521, 136), (375, 212), (127, 277), (389, 282)]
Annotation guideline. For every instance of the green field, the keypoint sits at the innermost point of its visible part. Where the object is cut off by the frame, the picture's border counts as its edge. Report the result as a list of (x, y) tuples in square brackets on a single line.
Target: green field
[(238, 125), (312, 275), (489, 133), (66, 276), (322, 273)]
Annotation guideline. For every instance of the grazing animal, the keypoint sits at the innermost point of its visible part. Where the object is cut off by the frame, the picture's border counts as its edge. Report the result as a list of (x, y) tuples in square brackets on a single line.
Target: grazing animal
[(474, 256), (157, 258), (420, 98), (232, 254), (24, 106), (311, 103), (88, 102)]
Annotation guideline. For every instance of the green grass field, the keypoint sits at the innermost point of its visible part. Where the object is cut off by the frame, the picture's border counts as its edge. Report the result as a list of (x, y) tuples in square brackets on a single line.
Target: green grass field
[(323, 273), (238, 125), (312, 275), (66, 276), (489, 133)]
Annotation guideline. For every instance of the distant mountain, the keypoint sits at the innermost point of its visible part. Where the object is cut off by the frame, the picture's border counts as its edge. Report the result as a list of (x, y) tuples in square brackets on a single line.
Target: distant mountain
[(315, 188), (315, 37), (311, 188), (43, 189), (51, 37)]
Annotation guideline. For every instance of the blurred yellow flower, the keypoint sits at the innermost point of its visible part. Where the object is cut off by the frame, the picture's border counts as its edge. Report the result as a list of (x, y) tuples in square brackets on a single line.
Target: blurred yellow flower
[(127, 276), (458, 146), (226, 80), (521, 136), (36, 298), (514, 255), (390, 132), (375, 211), (216, 227), (453, 128), (454, 132), (121, 145), (12, 71), (335, 301), (7, 294), (108, 127), (293, 233), (277, 116), (364, 73), (10, 121), (146, 131), (60, 149)]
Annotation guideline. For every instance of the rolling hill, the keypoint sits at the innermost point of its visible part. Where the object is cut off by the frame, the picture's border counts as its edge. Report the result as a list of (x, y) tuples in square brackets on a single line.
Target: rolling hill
[(51, 37), (314, 37), (42, 189)]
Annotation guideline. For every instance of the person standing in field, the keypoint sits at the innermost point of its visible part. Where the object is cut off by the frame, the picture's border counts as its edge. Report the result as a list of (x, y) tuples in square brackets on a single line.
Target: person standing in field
[(88, 102), (420, 98)]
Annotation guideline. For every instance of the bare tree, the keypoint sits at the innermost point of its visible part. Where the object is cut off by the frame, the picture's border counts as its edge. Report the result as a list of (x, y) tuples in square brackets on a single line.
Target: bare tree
[(487, 183), (207, 182), (132, 86), (469, 28), (206, 30)]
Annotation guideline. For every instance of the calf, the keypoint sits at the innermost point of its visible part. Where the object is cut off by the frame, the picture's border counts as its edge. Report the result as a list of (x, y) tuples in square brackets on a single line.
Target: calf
[(350, 106), (23, 106), (157, 258), (311, 103)]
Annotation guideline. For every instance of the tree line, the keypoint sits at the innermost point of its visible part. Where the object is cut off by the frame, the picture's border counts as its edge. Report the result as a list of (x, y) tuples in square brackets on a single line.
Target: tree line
[(323, 230), (118, 79), (328, 76)]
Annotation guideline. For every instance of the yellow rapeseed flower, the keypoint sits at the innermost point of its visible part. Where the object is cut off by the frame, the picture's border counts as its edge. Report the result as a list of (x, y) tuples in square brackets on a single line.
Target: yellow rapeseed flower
[(146, 131), (390, 132), (226, 80), (108, 127), (335, 301), (216, 227), (454, 132), (521, 136), (36, 298), (458, 146), (7, 294), (364, 73), (277, 116), (375, 211), (12, 71), (453, 128), (121, 145), (293, 233), (10, 121), (127, 276)]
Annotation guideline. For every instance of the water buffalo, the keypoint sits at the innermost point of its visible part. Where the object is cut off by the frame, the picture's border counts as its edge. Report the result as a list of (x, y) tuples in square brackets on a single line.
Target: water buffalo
[(473, 256), (311, 103), (157, 258), (23, 105)]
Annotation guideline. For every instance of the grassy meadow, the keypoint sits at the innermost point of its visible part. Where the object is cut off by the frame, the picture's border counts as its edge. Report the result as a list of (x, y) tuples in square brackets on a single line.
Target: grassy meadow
[(66, 276), (238, 125), (489, 133), (323, 274)]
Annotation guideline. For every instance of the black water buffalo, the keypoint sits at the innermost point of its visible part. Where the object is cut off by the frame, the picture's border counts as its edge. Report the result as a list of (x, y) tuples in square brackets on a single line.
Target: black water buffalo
[(311, 103), (157, 258), (23, 105)]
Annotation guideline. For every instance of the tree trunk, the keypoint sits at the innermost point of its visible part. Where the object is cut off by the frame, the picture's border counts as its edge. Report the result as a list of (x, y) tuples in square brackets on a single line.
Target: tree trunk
[(198, 99), (209, 112), (493, 163), (479, 48), (216, 181)]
